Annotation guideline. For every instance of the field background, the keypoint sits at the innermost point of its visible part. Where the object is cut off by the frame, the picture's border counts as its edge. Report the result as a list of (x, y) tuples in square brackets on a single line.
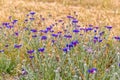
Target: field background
[(96, 12)]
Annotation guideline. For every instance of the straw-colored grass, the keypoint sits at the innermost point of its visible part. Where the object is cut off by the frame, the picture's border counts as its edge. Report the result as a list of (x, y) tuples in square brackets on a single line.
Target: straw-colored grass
[(96, 12)]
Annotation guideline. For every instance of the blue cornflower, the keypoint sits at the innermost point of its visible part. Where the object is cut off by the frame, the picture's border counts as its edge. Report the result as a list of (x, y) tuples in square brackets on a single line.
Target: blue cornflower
[(5, 24), (32, 19), (48, 28), (59, 32), (96, 38), (43, 19), (101, 33), (1, 51), (92, 71), (43, 37), (24, 72), (53, 41), (88, 29), (9, 26), (51, 31), (65, 50), (117, 38), (100, 40), (67, 36), (109, 27), (26, 28), (6, 45), (76, 30), (60, 20), (90, 25), (55, 35), (16, 33), (34, 36), (14, 21), (69, 16), (17, 46), (69, 46), (33, 30), (44, 31), (74, 21), (41, 49), (96, 27), (32, 13), (75, 42), (26, 20), (30, 51), (31, 57)]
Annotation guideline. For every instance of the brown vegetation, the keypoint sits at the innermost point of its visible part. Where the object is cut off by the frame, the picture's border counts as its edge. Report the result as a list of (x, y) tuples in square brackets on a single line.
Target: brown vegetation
[(96, 12)]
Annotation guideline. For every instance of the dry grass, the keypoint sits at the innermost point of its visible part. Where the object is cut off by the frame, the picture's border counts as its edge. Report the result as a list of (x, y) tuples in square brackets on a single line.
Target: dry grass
[(96, 12)]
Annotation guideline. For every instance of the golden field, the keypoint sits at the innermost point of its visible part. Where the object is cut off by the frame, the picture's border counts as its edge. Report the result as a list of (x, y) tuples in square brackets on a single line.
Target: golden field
[(96, 12)]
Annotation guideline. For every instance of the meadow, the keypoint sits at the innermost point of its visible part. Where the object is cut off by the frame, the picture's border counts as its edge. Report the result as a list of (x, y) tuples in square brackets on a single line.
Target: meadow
[(60, 40)]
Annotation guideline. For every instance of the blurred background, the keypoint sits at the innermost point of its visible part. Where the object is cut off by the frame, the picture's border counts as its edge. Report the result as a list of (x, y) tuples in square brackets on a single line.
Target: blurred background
[(96, 12)]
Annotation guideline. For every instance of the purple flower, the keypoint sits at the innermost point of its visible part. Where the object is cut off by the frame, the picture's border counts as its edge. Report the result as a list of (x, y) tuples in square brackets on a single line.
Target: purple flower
[(69, 46), (17, 46), (109, 27), (96, 38), (92, 71), (9, 26), (76, 31), (55, 35), (59, 32), (5, 24), (69, 16), (90, 25), (101, 33), (34, 36), (31, 57), (32, 19), (30, 51), (51, 31), (32, 13), (26, 20), (82, 29), (14, 21), (53, 41), (100, 40), (48, 28), (33, 30), (43, 37), (1, 51), (96, 27), (75, 42), (26, 28), (43, 19), (44, 31), (89, 29), (60, 20), (117, 38), (6, 45), (41, 49), (65, 50), (67, 36), (24, 72), (16, 33), (74, 21)]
